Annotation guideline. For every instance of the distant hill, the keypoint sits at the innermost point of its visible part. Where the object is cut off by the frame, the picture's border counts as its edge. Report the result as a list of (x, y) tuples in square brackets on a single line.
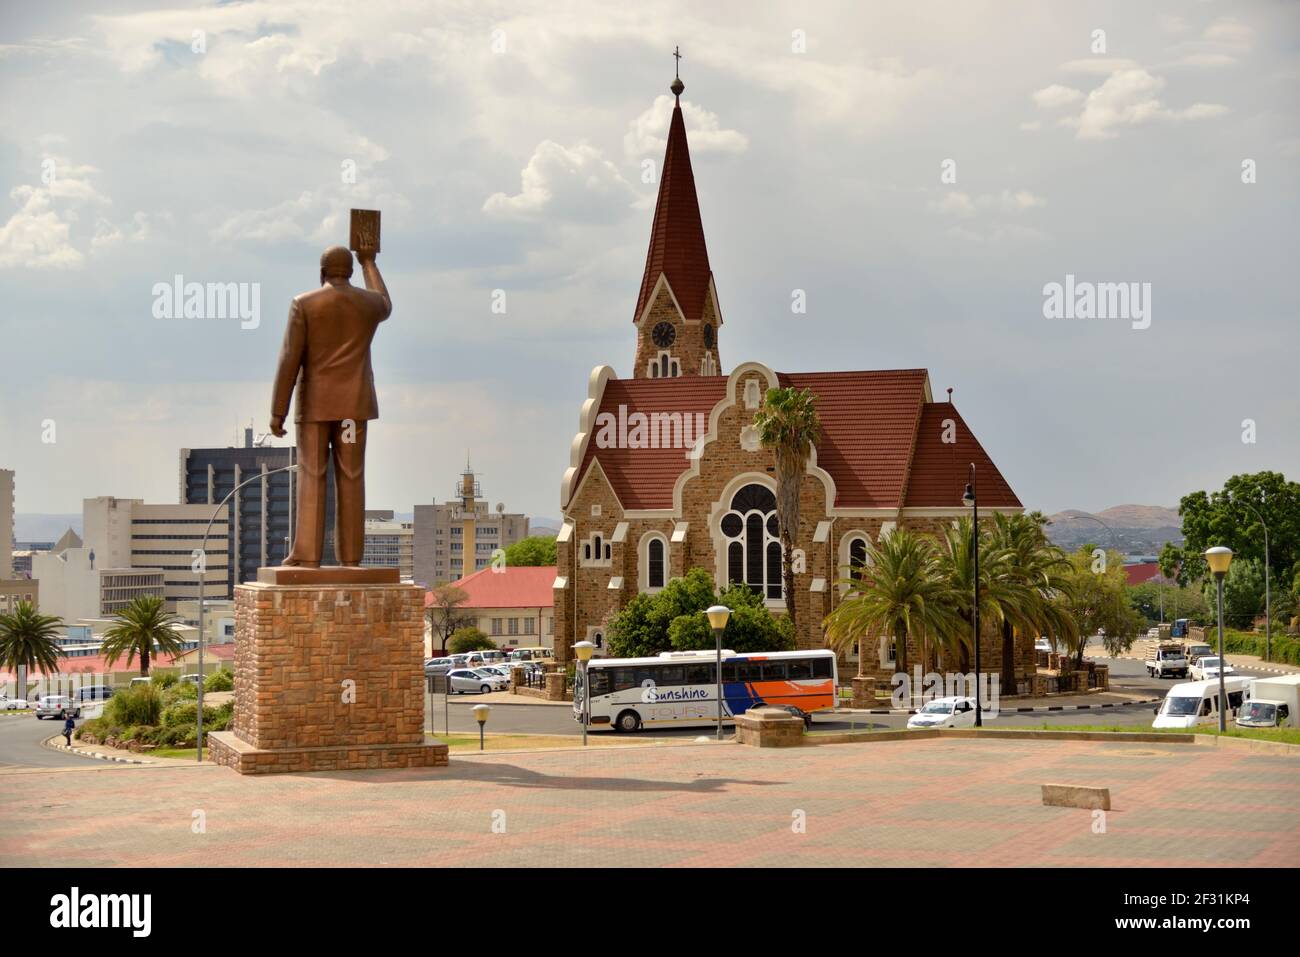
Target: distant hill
[(543, 526), (1137, 529)]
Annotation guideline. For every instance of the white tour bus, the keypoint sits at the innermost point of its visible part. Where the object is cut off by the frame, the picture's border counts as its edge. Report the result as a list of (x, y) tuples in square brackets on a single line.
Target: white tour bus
[(679, 688), (1197, 702)]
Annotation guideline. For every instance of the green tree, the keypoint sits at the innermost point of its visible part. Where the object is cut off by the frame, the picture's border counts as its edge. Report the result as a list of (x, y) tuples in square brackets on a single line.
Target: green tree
[(1179, 601), (788, 425), (1037, 572), (442, 608), (1224, 518), (140, 627), (750, 629), (899, 593), (1243, 594), (534, 550), (28, 640), (467, 639), (673, 619), (1097, 600)]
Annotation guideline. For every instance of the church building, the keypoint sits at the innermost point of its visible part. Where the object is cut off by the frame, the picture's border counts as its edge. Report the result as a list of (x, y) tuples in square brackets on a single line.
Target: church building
[(666, 472)]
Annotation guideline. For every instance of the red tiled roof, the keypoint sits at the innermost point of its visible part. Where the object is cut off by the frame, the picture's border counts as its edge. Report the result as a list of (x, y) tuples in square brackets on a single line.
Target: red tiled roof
[(512, 586), (868, 420), (870, 423), (95, 664), (677, 237), (643, 478), (939, 469), (1140, 572)]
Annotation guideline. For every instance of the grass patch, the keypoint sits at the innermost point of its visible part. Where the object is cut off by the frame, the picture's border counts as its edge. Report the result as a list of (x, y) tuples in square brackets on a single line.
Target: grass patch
[(1284, 735), (187, 753), (517, 742)]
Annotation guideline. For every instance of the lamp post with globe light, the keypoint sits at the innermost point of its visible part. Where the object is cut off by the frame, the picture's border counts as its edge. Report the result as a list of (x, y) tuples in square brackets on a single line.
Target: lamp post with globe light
[(1219, 558), (584, 651), (718, 617)]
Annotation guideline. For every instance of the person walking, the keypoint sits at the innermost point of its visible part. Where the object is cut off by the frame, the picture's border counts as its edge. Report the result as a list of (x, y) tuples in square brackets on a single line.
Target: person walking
[(69, 725)]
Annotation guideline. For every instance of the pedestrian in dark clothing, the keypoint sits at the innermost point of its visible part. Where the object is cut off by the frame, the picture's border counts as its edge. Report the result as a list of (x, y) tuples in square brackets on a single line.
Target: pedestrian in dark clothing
[(68, 727)]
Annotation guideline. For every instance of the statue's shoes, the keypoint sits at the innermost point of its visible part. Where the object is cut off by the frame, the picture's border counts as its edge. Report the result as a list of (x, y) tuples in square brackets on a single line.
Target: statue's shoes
[(290, 563)]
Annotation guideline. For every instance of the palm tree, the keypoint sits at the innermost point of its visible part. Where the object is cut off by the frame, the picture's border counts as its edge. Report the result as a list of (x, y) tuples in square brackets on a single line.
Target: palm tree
[(788, 424), (28, 641), (1040, 567), (1004, 599), (898, 592), (140, 626)]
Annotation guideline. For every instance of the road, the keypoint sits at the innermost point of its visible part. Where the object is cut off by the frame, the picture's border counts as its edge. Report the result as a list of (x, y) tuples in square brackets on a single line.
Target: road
[(21, 737)]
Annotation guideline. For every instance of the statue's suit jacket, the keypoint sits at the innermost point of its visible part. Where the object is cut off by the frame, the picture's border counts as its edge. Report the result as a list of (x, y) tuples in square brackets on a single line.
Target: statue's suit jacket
[(326, 353)]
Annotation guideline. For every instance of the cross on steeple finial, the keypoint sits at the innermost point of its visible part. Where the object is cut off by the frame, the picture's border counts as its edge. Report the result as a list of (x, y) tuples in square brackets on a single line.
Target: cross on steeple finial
[(677, 84)]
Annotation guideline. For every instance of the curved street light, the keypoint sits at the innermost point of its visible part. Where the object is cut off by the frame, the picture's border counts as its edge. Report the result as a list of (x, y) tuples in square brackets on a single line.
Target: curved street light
[(971, 499), (203, 572), (1268, 603)]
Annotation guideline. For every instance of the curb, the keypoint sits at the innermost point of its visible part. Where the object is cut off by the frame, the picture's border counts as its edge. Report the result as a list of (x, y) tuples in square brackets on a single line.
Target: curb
[(49, 743), (1049, 708)]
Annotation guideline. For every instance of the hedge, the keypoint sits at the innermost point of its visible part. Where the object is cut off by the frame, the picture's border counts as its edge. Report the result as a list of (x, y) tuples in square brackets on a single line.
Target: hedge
[(1286, 649)]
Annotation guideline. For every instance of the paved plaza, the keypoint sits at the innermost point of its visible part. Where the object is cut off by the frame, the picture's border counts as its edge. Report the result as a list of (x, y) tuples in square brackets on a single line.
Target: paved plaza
[(923, 802)]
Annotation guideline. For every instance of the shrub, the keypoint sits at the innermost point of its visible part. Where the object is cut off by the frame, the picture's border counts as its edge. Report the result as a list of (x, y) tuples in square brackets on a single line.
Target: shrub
[(468, 639), (1285, 648), (141, 704), (220, 680), (163, 679)]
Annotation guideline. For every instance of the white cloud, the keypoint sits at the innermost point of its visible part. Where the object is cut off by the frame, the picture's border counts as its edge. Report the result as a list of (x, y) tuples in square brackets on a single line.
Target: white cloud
[(566, 184), (1098, 65), (648, 133), (963, 205), (40, 234), (1051, 97), (1130, 97)]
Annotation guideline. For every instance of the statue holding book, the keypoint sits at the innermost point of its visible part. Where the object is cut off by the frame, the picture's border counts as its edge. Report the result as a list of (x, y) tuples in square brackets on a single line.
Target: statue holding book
[(325, 367)]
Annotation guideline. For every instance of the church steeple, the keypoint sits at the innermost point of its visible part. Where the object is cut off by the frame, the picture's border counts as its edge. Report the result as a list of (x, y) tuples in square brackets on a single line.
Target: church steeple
[(676, 311)]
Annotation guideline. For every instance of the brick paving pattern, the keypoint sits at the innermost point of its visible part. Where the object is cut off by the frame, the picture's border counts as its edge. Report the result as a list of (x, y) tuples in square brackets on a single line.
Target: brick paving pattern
[(932, 802)]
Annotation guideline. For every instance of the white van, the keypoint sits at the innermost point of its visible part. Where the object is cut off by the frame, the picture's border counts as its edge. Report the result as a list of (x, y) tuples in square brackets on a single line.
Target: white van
[(1197, 702)]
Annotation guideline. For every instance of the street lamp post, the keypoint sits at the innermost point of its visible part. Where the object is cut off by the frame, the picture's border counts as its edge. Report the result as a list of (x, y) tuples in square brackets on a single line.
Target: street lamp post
[(718, 616), (971, 500), (1268, 603), (203, 576), (584, 650), (1219, 558), (481, 712)]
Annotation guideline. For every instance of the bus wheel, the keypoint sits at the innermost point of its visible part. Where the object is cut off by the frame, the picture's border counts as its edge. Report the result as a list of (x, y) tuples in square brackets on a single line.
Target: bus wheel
[(628, 721)]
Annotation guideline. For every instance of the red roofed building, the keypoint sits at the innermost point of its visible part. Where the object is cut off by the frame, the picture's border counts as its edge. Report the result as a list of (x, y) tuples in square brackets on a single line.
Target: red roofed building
[(511, 604), (666, 472)]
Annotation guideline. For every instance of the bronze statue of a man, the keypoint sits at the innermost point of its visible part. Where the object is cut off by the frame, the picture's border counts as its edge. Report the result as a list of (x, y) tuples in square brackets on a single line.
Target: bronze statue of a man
[(326, 354)]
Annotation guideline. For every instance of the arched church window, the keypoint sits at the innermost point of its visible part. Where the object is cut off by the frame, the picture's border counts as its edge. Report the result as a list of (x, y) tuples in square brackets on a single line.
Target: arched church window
[(655, 563), (857, 558), (751, 531)]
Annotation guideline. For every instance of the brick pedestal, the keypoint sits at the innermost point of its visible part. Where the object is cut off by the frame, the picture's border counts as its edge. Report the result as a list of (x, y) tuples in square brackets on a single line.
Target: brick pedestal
[(327, 678), (769, 728)]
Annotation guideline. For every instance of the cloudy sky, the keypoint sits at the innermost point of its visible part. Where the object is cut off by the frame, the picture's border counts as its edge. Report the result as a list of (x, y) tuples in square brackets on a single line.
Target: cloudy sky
[(920, 169)]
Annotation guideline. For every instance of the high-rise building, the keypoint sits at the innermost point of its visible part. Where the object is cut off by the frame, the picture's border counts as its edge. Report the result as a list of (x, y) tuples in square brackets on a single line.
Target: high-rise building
[(127, 533), (389, 544), (6, 524), (262, 515), (457, 538)]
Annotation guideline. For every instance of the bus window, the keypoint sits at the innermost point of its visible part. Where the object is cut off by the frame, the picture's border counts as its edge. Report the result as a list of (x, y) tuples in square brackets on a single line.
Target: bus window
[(774, 671), (749, 671), (821, 667), (624, 678), (728, 671), (670, 676), (701, 674), (799, 668), (600, 683)]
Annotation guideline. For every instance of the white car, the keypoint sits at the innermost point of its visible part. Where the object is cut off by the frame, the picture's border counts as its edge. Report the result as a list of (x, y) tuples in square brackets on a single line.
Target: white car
[(1207, 667), (12, 704), (57, 706), (945, 713), (467, 680), (1043, 644)]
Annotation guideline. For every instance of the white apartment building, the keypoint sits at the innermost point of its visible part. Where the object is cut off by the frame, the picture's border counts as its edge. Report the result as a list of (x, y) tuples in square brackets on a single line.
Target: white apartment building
[(390, 544)]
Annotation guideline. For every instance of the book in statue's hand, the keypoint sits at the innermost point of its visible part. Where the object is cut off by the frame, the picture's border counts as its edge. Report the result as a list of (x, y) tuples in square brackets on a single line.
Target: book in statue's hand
[(365, 231)]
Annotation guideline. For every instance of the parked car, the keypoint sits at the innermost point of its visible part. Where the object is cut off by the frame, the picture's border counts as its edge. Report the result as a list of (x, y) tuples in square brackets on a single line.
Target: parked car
[(94, 693), (1207, 666), (493, 657), (1043, 644), (137, 682), (954, 712), (194, 678), (501, 670), (57, 706), (12, 704), (467, 681), (1195, 651), (437, 666)]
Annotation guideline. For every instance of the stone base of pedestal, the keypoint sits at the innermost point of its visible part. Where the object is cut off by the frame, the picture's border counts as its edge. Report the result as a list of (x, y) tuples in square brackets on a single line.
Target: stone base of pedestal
[(327, 678), (769, 728), (864, 693), (227, 750)]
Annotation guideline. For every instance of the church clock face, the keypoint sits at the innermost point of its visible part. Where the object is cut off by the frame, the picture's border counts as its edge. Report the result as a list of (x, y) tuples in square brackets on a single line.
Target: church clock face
[(664, 334), (708, 337)]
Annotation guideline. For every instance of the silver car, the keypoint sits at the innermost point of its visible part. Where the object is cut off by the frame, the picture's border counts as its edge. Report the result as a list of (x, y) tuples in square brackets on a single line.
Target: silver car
[(57, 706), (461, 680)]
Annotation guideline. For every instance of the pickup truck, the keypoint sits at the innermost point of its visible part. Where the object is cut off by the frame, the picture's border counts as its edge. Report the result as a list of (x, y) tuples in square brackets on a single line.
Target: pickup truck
[(1167, 661)]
